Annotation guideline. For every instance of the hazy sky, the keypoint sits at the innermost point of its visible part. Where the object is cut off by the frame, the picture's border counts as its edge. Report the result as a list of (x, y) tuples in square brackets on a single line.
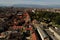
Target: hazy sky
[(38, 2)]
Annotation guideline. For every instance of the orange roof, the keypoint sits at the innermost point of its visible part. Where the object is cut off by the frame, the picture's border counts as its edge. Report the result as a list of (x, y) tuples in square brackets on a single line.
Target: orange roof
[(29, 28), (34, 37)]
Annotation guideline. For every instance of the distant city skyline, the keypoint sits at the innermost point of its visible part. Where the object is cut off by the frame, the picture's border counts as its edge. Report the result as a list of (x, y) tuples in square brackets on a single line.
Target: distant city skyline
[(34, 2)]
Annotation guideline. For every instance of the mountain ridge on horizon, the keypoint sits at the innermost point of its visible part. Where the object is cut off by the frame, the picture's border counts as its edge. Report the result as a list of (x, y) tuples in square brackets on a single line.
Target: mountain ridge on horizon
[(36, 6), (33, 6)]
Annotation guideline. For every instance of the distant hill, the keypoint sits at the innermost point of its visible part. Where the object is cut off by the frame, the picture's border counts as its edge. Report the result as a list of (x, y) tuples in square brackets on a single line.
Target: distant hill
[(31, 6), (36, 6)]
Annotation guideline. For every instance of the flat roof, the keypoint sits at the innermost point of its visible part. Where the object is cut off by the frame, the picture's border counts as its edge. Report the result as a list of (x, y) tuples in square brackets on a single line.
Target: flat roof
[(56, 30)]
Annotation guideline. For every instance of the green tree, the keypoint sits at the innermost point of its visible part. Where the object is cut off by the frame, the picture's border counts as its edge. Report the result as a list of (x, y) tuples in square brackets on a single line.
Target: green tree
[(57, 20)]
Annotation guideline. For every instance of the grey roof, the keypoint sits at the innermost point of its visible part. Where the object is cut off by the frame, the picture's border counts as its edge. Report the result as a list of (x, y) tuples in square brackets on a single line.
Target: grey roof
[(51, 35), (19, 13), (56, 30)]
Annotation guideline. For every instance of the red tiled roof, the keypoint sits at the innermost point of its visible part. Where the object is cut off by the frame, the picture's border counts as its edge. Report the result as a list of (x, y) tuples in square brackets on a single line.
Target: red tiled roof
[(34, 36)]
